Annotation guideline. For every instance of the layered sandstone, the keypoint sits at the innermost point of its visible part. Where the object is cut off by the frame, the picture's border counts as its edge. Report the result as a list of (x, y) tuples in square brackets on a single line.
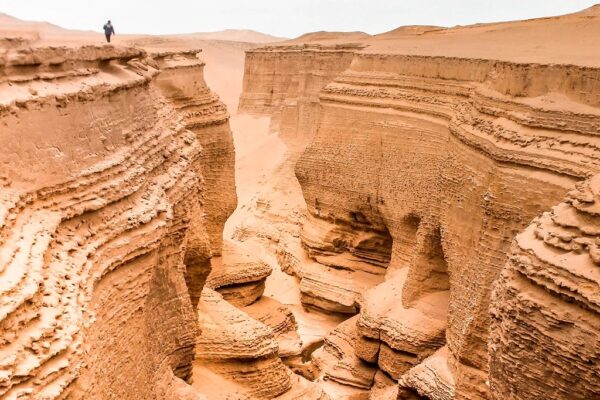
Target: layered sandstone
[(281, 320), (545, 309), (449, 171), (272, 208), (430, 152), (239, 352), (240, 349), (117, 177), (283, 82), (337, 359), (238, 275), (419, 153)]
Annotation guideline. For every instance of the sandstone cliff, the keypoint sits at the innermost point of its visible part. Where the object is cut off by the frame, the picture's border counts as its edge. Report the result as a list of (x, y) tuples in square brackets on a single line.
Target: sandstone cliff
[(437, 171), (117, 178), (545, 316), (426, 155)]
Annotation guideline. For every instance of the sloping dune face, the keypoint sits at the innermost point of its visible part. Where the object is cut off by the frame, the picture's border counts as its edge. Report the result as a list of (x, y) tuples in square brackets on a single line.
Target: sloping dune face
[(117, 177), (422, 169)]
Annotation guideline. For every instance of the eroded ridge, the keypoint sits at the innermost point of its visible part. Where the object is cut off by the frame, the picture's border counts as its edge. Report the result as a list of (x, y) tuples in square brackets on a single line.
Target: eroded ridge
[(114, 164), (547, 298)]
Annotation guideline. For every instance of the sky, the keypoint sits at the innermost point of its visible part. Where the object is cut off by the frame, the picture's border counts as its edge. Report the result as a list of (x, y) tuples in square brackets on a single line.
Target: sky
[(286, 18)]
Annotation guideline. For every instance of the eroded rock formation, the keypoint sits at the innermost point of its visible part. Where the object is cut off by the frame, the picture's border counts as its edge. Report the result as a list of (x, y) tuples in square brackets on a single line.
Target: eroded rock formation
[(420, 155), (545, 315), (117, 177), (238, 276), (239, 349), (429, 153), (284, 82)]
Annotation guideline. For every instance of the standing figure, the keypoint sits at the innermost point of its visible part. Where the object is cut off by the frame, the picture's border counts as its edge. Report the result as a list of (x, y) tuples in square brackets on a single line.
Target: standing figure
[(108, 30)]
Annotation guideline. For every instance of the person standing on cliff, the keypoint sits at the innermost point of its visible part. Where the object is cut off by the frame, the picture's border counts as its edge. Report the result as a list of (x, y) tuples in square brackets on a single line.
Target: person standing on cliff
[(108, 30)]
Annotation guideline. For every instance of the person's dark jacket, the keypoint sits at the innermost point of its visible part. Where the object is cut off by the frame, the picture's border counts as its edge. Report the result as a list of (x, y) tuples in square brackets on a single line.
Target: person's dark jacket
[(108, 29)]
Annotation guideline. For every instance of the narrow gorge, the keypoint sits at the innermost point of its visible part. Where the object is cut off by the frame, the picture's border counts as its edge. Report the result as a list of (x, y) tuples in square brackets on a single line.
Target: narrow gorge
[(344, 216)]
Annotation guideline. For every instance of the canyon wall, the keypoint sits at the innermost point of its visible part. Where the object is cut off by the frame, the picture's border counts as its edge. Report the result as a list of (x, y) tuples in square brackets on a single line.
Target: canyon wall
[(284, 82), (117, 178), (421, 171), (545, 315), (440, 158)]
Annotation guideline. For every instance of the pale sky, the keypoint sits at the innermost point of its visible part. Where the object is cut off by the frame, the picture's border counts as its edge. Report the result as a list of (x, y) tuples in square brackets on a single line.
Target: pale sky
[(288, 18)]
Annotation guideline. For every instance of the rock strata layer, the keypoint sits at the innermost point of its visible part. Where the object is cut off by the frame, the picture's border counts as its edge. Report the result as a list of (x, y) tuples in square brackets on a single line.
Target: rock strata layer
[(239, 352), (546, 305), (424, 162), (117, 178), (238, 276), (239, 349)]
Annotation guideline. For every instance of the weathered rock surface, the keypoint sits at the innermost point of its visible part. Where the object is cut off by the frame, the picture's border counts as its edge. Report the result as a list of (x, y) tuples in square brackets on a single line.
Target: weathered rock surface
[(430, 152), (384, 387), (545, 334), (419, 153), (460, 187), (284, 82), (239, 348), (272, 208), (117, 177), (281, 320), (338, 361), (238, 357), (431, 379), (398, 337), (238, 275)]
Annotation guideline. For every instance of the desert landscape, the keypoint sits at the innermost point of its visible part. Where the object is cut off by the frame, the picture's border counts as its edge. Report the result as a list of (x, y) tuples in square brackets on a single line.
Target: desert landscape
[(340, 216)]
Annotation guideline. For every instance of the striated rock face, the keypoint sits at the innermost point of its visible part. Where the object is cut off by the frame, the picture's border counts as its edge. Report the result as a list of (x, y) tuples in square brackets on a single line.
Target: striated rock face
[(398, 337), (239, 349), (425, 162), (337, 359), (436, 157), (284, 82), (419, 155), (238, 353), (431, 379), (281, 320), (238, 276), (545, 334), (117, 177)]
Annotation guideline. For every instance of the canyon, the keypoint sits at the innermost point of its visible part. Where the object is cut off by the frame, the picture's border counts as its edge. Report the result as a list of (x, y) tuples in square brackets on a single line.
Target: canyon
[(410, 215)]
